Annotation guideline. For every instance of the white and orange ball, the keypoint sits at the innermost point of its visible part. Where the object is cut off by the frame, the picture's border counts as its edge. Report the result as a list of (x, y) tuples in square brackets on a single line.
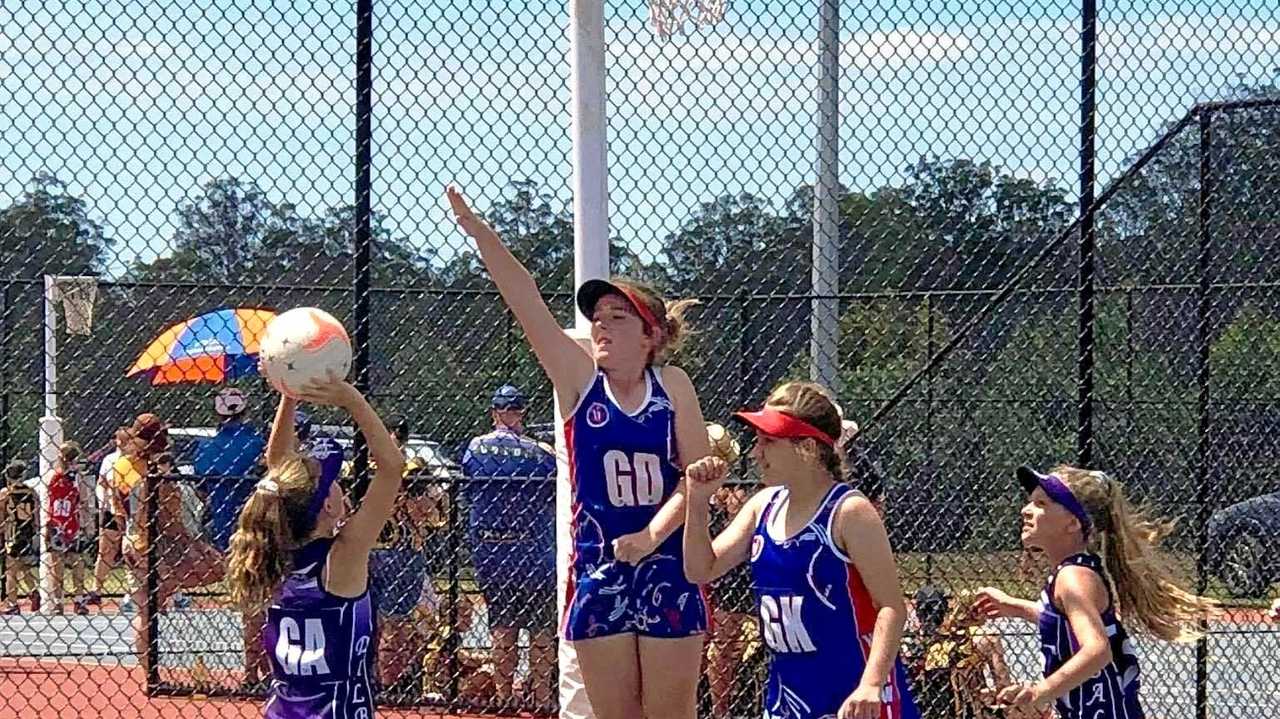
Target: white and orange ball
[(302, 344)]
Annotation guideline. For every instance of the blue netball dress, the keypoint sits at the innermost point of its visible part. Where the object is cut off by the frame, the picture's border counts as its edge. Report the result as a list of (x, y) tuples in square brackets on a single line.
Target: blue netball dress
[(1113, 693), (816, 617), (622, 468), (320, 645)]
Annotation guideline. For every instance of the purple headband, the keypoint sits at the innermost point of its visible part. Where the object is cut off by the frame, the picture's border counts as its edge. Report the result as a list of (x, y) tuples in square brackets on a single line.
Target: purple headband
[(330, 459), (1057, 491)]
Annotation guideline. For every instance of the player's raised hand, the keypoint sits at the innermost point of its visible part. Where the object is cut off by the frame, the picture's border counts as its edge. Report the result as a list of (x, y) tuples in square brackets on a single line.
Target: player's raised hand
[(468, 220), (704, 477), (332, 391)]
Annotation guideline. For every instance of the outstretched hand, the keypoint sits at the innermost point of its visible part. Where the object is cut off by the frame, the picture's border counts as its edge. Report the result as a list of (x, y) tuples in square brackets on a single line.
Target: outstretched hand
[(463, 214), (332, 390)]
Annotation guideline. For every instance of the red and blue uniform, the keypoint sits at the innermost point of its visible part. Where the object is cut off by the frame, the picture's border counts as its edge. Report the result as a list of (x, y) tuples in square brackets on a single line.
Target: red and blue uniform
[(816, 617), (623, 468)]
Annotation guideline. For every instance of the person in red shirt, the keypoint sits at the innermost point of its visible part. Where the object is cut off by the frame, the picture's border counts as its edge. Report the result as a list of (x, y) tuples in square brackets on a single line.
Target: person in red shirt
[(63, 534)]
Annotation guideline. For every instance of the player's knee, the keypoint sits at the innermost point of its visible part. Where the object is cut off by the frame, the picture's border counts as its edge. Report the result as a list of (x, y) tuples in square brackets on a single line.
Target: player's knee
[(669, 703)]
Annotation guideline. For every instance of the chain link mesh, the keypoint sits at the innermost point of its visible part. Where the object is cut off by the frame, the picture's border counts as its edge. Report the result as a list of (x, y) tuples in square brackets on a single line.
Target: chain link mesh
[(195, 157)]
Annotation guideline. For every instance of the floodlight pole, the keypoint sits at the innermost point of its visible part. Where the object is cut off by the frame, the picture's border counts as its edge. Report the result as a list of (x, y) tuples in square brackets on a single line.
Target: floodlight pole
[(824, 317)]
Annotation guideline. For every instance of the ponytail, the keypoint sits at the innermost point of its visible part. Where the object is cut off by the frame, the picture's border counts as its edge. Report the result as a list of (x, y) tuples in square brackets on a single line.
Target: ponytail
[(1146, 585), (676, 326), (1145, 582), (273, 523)]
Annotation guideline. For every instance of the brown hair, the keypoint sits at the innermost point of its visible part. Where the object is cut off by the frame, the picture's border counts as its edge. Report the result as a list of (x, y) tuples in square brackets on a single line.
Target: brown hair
[(812, 403), (674, 325), (69, 452), (1147, 588), (274, 521)]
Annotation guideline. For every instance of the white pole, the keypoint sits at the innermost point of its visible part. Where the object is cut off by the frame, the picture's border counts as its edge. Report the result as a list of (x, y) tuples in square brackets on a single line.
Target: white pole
[(590, 261), (590, 174), (50, 436), (824, 319)]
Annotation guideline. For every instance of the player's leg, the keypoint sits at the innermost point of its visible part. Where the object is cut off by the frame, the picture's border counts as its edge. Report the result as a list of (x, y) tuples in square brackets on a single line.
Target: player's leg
[(611, 675), (108, 555), (669, 676)]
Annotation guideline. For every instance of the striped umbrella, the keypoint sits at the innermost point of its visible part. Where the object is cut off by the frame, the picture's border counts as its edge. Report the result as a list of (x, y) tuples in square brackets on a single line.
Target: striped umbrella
[(213, 347)]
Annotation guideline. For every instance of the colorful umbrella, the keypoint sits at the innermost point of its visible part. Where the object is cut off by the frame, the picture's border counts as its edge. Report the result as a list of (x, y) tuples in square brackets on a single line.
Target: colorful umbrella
[(213, 347)]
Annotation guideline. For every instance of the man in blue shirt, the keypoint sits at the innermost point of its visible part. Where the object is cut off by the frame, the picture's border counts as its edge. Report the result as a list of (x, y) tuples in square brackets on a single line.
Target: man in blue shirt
[(510, 488), (224, 462)]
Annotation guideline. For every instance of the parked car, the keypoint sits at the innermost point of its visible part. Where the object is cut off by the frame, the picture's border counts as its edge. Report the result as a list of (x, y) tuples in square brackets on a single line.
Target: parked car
[(1244, 546)]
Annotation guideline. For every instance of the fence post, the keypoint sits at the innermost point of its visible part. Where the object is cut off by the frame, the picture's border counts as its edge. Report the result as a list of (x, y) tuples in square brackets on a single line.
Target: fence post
[(363, 232), (150, 611), (1204, 444), (4, 372), (1084, 379), (928, 429)]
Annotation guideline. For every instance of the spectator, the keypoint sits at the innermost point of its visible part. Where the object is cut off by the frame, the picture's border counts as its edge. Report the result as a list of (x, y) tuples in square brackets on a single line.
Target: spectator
[(109, 532), (19, 516), (864, 472), (64, 536), (400, 568), (954, 664), (512, 536), (224, 462)]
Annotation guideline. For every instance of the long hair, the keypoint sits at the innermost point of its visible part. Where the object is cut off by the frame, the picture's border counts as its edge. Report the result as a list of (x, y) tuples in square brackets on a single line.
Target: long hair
[(273, 523), (810, 402), (1147, 588)]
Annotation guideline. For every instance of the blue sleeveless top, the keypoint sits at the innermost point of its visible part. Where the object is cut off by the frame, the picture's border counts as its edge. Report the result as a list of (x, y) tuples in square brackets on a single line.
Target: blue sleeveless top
[(622, 468), (320, 645), (816, 616), (1113, 693)]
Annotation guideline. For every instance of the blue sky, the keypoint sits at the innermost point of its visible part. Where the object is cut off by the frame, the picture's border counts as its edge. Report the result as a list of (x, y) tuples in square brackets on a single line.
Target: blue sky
[(136, 104)]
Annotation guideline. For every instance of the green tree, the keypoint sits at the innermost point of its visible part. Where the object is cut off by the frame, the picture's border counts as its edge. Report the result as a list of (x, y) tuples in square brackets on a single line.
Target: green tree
[(49, 231)]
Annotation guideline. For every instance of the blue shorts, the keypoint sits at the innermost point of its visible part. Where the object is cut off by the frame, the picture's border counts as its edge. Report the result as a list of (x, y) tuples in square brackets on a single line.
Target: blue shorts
[(651, 599), (395, 580)]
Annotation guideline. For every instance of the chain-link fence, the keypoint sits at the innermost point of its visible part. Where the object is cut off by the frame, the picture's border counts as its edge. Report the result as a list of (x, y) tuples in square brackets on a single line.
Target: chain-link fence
[(1000, 279)]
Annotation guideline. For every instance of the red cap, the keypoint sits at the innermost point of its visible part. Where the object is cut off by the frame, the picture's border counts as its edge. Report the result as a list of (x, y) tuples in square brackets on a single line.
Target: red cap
[(780, 424)]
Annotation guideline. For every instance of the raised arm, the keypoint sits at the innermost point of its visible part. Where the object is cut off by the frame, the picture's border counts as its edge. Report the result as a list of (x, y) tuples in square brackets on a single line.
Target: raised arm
[(349, 558), (280, 445), (706, 560), (564, 360)]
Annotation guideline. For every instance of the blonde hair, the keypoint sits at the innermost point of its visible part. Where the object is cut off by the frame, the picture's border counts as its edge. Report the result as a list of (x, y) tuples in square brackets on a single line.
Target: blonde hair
[(674, 325), (275, 521), (1146, 586), (811, 403)]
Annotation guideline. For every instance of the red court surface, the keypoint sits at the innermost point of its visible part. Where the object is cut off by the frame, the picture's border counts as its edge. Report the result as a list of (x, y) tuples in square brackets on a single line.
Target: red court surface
[(62, 690)]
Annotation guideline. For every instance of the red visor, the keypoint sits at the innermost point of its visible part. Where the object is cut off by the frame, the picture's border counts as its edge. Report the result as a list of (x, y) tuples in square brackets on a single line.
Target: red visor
[(641, 308), (592, 290), (780, 424)]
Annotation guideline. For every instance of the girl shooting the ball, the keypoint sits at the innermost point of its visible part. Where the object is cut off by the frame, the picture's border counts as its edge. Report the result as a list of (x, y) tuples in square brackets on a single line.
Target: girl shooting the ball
[(297, 550), (830, 607), (1106, 566), (632, 423)]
